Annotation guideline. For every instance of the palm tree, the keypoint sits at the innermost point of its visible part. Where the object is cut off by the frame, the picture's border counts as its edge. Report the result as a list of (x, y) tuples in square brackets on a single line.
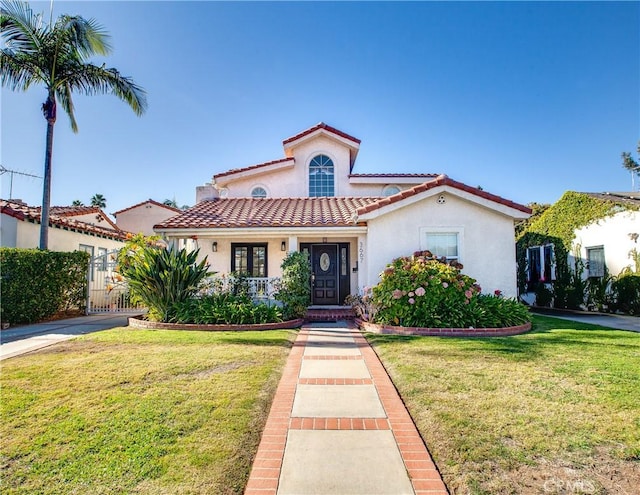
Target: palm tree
[(55, 55), (631, 165), (99, 200), (170, 202), (77, 202)]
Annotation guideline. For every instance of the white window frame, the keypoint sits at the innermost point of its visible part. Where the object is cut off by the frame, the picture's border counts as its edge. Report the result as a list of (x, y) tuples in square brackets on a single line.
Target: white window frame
[(387, 190), (259, 186), (602, 270), (459, 231)]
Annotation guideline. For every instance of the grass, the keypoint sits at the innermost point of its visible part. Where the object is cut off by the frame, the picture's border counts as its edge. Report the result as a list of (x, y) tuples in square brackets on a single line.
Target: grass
[(556, 410), (143, 412)]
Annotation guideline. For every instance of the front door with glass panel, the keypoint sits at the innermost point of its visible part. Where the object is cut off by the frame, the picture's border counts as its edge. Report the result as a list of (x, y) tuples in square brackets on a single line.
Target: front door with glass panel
[(324, 265)]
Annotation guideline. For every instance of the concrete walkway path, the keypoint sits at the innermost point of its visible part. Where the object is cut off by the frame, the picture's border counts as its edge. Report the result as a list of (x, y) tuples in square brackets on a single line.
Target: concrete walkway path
[(27, 338), (337, 425)]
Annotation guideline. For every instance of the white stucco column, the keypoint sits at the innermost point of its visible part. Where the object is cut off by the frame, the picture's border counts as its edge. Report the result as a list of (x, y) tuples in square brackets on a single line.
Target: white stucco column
[(293, 243)]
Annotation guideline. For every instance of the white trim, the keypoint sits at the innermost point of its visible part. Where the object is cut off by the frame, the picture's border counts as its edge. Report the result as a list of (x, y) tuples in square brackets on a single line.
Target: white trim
[(444, 230), (328, 232), (436, 191)]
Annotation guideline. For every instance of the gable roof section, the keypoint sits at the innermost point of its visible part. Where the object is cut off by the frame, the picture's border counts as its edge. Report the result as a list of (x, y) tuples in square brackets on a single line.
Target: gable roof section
[(259, 168), (268, 212), (64, 221), (441, 180), (318, 127), (323, 129), (148, 201)]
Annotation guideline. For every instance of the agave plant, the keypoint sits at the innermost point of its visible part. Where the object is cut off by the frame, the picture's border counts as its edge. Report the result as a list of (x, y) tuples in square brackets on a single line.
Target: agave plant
[(160, 278)]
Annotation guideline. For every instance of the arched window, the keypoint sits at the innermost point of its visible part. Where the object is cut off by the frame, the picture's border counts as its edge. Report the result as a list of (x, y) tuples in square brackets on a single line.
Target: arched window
[(258, 192), (390, 190), (321, 181)]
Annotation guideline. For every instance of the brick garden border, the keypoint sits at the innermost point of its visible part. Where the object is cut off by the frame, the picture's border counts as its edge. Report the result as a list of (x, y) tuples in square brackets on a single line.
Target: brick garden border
[(443, 332), (137, 322)]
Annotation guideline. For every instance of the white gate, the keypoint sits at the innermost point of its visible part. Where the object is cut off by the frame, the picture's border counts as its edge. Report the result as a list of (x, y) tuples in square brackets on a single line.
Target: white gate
[(108, 291)]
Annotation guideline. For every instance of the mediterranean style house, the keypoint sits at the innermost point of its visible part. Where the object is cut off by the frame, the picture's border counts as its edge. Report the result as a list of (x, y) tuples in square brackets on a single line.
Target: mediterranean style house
[(350, 224), (71, 228)]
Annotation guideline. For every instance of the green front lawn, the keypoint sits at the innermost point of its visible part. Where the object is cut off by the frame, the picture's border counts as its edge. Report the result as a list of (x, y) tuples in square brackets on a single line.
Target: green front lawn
[(556, 410), (144, 412)]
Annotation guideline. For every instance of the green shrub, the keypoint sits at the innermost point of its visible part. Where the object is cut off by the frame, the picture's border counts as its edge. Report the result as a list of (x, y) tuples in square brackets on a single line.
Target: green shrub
[(295, 288), (225, 308), (626, 294), (37, 284), (160, 278), (423, 291)]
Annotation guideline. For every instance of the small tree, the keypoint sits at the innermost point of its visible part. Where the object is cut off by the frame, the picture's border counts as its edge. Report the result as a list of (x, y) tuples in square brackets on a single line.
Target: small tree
[(77, 202), (99, 200), (631, 165), (295, 286)]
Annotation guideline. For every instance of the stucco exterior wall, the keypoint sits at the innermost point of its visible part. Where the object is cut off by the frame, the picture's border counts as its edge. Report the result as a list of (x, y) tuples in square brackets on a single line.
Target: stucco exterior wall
[(487, 243), (27, 235), (143, 218), (613, 234)]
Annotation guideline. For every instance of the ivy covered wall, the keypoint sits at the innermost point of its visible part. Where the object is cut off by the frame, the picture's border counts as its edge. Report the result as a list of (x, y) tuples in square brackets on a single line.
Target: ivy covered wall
[(557, 226)]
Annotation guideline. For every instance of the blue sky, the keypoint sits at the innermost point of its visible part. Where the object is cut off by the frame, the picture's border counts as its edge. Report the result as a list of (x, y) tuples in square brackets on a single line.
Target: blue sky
[(526, 99)]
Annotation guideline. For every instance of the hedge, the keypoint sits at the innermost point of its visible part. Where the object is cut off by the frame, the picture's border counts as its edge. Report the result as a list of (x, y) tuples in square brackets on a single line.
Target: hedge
[(35, 285)]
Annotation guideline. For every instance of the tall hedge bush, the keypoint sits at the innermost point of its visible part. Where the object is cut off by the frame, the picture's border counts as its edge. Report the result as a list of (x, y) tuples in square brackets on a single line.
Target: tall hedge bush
[(35, 284)]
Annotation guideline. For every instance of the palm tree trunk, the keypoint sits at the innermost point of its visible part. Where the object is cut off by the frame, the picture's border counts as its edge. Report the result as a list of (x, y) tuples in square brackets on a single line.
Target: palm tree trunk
[(49, 111)]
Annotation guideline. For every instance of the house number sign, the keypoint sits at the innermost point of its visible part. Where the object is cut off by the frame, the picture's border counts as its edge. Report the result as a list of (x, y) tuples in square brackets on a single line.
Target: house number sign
[(325, 262)]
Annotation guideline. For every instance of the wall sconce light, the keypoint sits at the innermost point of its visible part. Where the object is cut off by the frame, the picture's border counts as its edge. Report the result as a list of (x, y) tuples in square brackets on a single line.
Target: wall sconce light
[(214, 246), (283, 246)]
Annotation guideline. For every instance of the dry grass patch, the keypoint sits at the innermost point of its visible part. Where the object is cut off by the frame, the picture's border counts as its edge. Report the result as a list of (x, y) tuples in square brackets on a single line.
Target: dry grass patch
[(144, 412), (555, 410)]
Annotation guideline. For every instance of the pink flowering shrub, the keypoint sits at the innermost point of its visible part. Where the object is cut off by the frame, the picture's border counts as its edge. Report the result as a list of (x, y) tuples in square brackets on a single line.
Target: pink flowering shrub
[(424, 291)]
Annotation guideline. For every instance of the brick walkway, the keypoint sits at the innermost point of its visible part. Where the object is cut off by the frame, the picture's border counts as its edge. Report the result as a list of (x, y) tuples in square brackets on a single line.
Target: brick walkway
[(337, 425)]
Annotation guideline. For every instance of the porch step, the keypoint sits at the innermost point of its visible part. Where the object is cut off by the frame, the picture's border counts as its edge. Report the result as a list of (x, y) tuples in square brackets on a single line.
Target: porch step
[(329, 314)]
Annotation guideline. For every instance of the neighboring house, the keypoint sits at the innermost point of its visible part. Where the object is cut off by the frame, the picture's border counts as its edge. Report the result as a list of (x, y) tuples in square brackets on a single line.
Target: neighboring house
[(598, 230), (85, 228), (611, 241), (141, 217), (351, 225)]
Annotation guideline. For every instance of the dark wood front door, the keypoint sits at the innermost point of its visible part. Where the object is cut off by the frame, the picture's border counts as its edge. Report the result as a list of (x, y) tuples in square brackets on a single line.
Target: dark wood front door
[(324, 265)]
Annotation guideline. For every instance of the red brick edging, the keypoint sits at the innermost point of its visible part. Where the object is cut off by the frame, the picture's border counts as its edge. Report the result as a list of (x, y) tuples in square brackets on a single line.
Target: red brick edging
[(136, 322), (265, 472), (443, 332)]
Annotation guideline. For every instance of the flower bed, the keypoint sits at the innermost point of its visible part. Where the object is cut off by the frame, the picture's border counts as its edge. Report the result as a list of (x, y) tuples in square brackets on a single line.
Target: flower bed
[(136, 322), (443, 332)]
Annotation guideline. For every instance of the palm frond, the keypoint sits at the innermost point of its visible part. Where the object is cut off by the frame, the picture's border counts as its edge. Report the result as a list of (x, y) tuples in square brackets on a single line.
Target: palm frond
[(84, 35), (18, 71), (63, 94), (91, 79), (22, 30)]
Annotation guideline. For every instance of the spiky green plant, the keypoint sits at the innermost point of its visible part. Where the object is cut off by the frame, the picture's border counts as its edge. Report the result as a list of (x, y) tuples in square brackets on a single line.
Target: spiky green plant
[(160, 278)]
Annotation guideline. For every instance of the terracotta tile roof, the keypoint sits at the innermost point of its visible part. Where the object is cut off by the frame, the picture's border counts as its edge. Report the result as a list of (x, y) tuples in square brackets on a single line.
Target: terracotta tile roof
[(65, 221), (268, 212), (441, 180), (162, 205), (373, 176), (324, 126), (72, 211), (251, 167)]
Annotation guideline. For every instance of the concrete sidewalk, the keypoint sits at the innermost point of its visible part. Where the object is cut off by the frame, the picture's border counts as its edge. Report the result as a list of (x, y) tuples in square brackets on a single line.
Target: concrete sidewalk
[(337, 425), (27, 338)]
